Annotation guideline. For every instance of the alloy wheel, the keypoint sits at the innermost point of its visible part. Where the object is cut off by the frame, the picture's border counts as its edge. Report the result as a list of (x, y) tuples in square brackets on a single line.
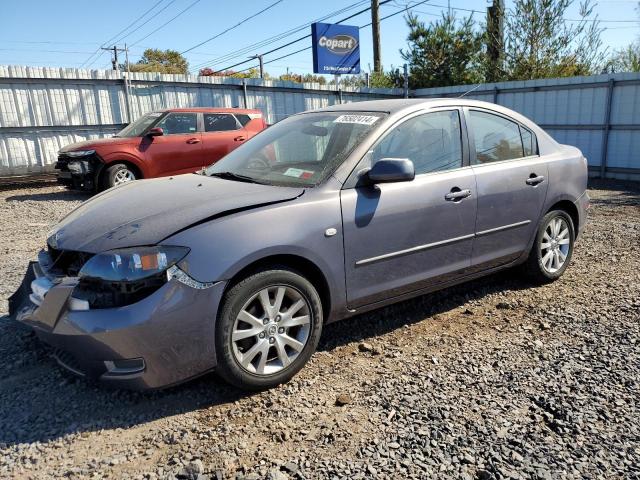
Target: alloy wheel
[(123, 176), (271, 330), (555, 244)]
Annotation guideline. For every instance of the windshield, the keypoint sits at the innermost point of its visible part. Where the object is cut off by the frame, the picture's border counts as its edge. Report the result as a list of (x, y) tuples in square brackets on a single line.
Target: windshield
[(136, 128), (301, 150)]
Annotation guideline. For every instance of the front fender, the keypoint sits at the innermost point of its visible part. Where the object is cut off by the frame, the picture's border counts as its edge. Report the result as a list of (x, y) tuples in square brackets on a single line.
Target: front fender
[(123, 155), (225, 246)]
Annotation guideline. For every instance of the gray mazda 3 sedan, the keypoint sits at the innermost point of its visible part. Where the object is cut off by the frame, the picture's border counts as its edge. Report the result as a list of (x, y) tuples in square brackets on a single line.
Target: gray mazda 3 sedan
[(325, 215)]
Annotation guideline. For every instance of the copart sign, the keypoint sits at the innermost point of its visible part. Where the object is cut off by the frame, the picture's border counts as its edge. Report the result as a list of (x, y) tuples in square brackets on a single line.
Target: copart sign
[(336, 48)]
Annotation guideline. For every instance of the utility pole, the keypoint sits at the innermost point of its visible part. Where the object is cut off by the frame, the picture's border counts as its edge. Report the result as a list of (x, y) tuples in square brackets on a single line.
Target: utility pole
[(259, 57), (375, 28), (114, 60), (495, 46)]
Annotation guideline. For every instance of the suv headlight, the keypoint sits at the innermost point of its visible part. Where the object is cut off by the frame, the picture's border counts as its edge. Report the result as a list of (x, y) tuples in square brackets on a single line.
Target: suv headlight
[(79, 153)]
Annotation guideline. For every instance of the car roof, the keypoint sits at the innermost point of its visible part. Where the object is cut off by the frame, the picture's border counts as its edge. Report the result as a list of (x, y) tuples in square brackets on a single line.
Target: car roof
[(406, 104), (211, 110)]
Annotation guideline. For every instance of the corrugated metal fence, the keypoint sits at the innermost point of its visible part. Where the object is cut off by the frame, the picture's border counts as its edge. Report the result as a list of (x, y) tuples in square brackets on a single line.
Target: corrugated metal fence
[(599, 114), (43, 109)]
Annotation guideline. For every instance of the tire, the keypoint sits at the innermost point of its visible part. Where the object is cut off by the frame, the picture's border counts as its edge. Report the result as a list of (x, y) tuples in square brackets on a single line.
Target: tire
[(116, 175), (541, 266), (246, 332)]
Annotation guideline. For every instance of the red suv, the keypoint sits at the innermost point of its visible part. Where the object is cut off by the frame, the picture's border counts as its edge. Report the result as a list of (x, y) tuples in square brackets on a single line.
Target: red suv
[(168, 142)]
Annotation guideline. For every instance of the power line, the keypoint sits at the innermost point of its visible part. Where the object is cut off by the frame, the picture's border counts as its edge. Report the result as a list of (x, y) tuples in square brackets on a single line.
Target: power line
[(305, 36), (120, 32), (232, 27), (565, 19), (406, 8), (280, 36), (119, 39), (165, 24)]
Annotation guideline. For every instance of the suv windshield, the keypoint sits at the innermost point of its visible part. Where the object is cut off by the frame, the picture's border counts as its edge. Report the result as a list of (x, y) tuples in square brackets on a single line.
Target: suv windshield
[(301, 150), (136, 128)]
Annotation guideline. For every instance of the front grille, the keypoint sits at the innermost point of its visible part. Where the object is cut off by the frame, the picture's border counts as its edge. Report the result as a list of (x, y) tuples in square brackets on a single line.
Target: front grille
[(67, 262), (63, 161)]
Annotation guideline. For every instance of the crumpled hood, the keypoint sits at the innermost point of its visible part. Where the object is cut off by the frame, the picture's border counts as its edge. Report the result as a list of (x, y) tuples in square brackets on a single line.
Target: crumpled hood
[(97, 143), (148, 211)]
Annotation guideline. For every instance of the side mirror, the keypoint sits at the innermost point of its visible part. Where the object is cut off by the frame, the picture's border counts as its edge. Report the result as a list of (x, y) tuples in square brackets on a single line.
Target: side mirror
[(388, 170), (155, 132)]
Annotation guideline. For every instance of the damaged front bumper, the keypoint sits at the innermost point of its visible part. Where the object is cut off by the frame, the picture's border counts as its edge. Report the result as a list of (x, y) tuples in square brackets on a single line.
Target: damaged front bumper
[(164, 339)]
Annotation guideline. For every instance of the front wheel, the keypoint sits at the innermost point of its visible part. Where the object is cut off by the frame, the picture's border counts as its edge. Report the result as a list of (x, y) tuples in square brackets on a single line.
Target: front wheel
[(268, 328), (552, 248), (118, 174)]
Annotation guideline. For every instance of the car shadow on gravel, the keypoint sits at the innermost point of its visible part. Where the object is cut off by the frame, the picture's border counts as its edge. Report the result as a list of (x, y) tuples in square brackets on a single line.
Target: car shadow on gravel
[(386, 319), (64, 195), (39, 401)]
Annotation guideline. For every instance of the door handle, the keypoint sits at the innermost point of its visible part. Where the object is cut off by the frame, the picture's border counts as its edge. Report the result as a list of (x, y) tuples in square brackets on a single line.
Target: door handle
[(239, 139), (193, 140), (455, 195), (534, 179)]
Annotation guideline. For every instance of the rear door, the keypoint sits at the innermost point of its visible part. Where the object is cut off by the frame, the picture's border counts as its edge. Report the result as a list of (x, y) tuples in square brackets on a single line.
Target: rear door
[(402, 237), (179, 149), (222, 133), (512, 182)]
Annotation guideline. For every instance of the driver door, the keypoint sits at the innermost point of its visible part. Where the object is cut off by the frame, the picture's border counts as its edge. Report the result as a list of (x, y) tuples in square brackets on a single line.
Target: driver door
[(403, 237), (179, 149)]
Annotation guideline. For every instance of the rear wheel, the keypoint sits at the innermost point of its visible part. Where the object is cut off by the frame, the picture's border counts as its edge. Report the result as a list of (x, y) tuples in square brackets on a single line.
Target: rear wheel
[(118, 174), (552, 249), (269, 327)]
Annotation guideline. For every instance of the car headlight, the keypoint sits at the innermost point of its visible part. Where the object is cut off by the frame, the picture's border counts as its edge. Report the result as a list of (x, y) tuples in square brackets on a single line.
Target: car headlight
[(79, 166), (79, 153), (122, 277), (132, 264)]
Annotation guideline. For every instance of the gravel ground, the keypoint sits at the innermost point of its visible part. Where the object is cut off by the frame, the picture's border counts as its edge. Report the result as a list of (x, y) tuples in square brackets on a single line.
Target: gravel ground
[(492, 379)]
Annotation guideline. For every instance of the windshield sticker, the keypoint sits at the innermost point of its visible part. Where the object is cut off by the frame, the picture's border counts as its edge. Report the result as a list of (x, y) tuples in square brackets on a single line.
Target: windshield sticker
[(298, 173), (362, 119)]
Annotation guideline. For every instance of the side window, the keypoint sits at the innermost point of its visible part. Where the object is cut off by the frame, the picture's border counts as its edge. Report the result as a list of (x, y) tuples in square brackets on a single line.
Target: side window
[(219, 122), (496, 138), (177, 123), (431, 141), (243, 119), (529, 142)]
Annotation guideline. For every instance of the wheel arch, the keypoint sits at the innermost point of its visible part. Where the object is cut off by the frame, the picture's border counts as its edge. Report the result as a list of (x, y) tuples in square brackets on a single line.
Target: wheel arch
[(132, 165), (569, 207), (300, 264)]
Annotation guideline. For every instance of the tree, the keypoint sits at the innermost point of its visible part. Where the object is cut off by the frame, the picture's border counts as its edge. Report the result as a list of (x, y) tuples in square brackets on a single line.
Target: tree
[(251, 73), (541, 43), (306, 78), (447, 52), (161, 61), (626, 59)]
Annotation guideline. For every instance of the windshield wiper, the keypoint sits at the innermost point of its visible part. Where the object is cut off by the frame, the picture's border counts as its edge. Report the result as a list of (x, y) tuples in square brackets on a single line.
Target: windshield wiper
[(236, 177)]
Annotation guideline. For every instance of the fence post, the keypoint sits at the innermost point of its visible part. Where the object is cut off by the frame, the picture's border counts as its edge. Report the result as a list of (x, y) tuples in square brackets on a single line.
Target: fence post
[(495, 95), (244, 93), (607, 127)]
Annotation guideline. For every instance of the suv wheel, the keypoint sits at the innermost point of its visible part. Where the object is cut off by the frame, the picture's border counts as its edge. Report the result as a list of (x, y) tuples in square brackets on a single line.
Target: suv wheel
[(118, 174), (552, 249), (268, 328)]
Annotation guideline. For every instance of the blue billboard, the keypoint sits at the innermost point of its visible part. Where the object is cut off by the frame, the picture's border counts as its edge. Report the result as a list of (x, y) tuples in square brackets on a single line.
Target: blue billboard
[(336, 48)]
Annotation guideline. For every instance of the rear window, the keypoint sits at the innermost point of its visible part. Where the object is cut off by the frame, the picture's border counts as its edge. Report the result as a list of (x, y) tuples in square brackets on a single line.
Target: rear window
[(219, 122)]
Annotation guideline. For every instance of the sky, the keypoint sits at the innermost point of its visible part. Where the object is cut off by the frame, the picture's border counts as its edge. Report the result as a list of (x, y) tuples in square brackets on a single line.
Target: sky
[(70, 33)]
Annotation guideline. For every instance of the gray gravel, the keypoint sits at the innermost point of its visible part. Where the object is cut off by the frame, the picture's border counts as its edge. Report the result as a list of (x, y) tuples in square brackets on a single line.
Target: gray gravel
[(492, 379)]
